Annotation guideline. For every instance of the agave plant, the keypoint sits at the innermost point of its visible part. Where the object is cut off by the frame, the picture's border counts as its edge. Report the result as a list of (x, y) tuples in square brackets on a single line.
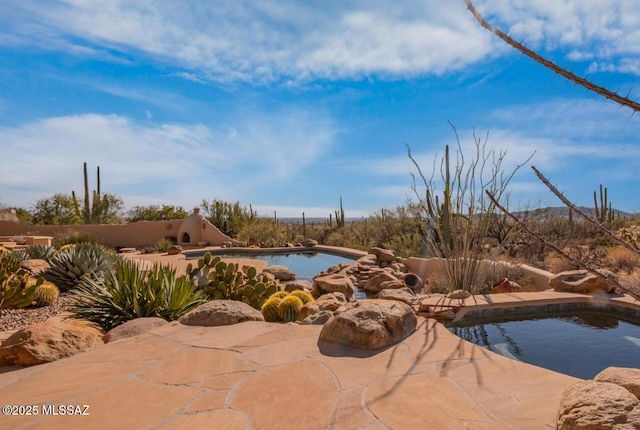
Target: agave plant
[(41, 252), (75, 265), (127, 292)]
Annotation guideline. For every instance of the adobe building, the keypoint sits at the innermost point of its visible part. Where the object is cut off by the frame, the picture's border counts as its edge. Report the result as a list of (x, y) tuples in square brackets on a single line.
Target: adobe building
[(195, 230)]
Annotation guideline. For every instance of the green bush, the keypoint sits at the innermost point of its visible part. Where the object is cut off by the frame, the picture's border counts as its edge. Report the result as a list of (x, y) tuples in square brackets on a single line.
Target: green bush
[(127, 292), (163, 245), (74, 238)]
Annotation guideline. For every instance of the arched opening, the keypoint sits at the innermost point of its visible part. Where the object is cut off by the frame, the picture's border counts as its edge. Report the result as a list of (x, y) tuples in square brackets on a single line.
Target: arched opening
[(186, 238)]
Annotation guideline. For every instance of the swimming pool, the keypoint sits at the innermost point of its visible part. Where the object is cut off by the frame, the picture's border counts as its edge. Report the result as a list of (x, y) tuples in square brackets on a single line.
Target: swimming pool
[(304, 264), (580, 345)]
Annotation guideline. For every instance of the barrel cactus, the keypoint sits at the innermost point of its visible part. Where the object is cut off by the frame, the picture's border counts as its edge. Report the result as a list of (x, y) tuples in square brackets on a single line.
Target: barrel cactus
[(304, 296), (45, 294), (72, 266), (289, 307), (280, 294), (270, 309)]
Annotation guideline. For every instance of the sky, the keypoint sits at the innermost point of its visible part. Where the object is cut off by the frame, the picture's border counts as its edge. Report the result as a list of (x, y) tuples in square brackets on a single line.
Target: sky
[(290, 105)]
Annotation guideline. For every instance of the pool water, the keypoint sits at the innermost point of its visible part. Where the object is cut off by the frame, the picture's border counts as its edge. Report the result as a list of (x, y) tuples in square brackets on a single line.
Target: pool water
[(580, 346), (304, 264)]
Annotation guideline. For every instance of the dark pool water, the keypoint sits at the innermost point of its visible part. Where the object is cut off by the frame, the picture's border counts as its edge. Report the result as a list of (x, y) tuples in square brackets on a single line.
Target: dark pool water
[(581, 345)]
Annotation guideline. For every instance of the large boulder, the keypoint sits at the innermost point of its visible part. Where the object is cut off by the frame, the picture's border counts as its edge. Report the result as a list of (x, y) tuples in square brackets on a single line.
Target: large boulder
[(301, 284), (581, 281), (281, 273), (35, 266), (404, 295), (133, 328), (49, 341), (380, 280), (383, 255), (590, 405), (370, 324), (335, 283), (221, 312), (626, 377)]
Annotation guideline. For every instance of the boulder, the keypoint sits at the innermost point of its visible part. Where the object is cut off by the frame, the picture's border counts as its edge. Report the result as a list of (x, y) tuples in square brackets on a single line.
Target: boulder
[(383, 255), (336, 283), (367, 260), (174, 249), (459, 294), (598, 405), (281, 273), (35, 266), (337, 296), (370, 324), (310, 243), (504, 285), (133, 328), (373, 284), (49, 341), (301, 284), (404, 295), (581, 281), (626, 377), (318, 318), (221, 312), (392, 285)]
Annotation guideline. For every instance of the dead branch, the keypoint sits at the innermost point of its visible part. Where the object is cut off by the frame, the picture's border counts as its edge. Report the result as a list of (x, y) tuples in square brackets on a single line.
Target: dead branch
[(609, 279), (621, 100)]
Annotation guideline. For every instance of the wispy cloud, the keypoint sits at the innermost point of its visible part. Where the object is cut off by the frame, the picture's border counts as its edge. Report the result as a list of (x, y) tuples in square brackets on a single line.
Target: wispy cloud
[(182, 162)]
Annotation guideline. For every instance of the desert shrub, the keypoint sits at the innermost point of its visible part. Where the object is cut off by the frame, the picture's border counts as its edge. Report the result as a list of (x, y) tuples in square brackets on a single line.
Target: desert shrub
[(163, 245), (230, 218), (72, 237), (623, 260), (127, 292)]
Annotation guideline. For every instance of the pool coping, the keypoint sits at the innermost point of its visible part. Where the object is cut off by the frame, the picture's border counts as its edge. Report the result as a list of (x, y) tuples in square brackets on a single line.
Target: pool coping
[(332, 250), (522, 305)]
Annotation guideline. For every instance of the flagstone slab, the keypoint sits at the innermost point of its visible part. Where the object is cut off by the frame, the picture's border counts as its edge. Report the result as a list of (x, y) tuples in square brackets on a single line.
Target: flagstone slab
[(226, 419), (124, 405), (224, 382), (223, 336), (426, 402), (300, 396), (351, 415), (65, 380), (209, 400), (192, 365), (142, 348)]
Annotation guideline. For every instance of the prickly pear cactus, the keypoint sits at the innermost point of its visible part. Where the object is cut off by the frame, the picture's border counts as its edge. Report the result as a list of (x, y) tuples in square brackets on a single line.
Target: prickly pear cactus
[(15, 289), (220, 280)]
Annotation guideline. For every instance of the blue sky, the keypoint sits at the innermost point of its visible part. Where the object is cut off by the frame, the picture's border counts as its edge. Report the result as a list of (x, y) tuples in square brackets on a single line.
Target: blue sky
[(289, 105)]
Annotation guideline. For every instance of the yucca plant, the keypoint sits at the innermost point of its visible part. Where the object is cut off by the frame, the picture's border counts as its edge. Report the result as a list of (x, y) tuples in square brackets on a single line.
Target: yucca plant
[(163, 245), (74, 265), (127, 292), (41, 252)]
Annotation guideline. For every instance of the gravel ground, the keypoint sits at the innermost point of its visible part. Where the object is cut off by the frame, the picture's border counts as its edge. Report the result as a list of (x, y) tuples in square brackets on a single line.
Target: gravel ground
[(15, 319)]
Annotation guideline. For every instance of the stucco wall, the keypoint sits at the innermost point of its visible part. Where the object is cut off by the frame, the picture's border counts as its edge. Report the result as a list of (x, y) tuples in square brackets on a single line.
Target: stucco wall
[(136, 235)]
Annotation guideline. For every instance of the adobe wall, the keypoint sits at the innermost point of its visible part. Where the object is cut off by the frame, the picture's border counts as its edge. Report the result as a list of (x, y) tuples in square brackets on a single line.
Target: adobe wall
[(135, 235)]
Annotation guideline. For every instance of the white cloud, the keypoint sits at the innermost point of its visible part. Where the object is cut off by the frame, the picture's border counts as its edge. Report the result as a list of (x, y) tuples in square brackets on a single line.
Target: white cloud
[(166, 162), (604, 29), (262, 41)]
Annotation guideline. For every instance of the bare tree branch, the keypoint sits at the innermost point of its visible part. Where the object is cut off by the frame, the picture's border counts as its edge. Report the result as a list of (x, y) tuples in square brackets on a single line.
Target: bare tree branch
[(621, 100), (609, 279)]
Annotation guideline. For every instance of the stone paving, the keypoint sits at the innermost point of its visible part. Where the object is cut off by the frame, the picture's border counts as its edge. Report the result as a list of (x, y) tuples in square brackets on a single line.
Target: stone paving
[(258, 375)]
